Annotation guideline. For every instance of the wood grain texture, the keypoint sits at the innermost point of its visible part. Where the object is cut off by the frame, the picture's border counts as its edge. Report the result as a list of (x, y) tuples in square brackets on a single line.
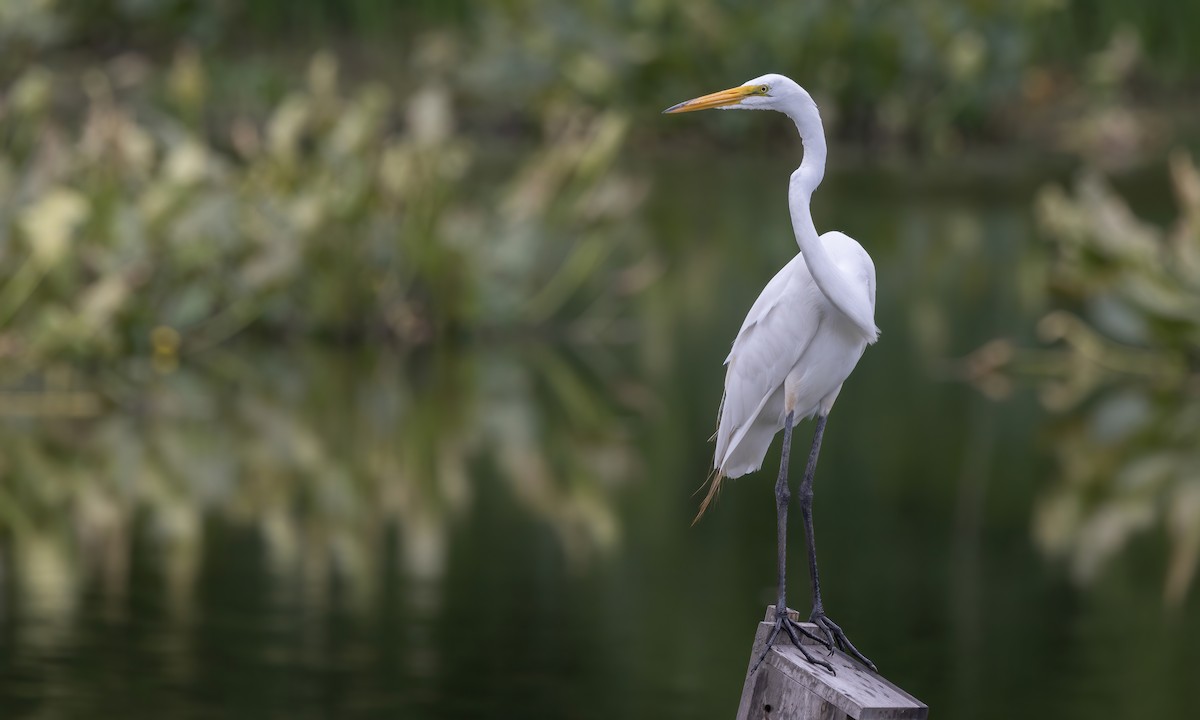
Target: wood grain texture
[(786, 686)]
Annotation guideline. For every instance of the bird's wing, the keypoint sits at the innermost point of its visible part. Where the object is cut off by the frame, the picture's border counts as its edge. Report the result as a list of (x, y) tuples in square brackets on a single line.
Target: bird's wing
[(777, 331), (854, 261)]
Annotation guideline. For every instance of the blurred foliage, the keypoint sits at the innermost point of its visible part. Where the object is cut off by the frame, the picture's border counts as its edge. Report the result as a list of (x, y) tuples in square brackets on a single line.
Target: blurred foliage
[(895, 68), (144, 218), (135, 169), (433, 171), (934, 71), (1123, 370), (337, 460), (126, 228)]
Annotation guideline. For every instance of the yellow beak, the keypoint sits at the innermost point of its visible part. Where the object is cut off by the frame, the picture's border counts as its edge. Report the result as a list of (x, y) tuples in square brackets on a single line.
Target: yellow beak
[(732, 96)]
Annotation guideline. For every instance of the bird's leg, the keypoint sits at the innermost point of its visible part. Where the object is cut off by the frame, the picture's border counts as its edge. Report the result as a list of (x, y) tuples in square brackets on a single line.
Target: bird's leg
[(782, 620), (833, 633)]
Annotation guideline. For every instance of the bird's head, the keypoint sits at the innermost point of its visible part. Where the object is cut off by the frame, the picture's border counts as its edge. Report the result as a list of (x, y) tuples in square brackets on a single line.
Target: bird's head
[(768, 92)]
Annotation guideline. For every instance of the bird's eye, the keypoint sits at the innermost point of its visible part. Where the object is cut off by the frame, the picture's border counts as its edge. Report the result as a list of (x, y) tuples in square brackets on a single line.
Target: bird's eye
[(762, 89)]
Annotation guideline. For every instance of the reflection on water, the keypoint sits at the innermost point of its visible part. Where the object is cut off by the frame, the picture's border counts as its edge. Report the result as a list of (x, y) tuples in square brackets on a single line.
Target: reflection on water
[(320, 452), (503, 528), (330, 471)]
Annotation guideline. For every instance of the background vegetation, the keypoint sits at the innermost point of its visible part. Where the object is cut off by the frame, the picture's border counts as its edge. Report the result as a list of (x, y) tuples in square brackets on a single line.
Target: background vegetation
[(316, 267), (151, 143)]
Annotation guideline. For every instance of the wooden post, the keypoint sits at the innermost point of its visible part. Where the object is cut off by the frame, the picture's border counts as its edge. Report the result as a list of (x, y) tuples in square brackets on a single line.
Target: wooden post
[(787, 687)]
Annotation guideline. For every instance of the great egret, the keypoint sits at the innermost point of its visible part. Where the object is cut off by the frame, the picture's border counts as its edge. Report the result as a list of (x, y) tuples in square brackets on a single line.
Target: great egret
[(802, 338)]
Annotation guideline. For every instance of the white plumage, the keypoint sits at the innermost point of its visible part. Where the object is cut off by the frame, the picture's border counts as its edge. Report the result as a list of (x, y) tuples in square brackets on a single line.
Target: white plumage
[(793, 340), (811, 323)]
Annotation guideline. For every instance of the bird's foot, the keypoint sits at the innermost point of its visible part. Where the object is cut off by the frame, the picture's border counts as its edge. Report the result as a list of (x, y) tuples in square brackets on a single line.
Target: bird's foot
[(835, 636), (794, 630)]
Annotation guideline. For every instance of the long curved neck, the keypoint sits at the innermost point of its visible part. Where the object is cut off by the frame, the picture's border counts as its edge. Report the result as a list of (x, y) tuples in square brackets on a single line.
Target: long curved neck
[(808, 176), (832, 282), (805, 180)]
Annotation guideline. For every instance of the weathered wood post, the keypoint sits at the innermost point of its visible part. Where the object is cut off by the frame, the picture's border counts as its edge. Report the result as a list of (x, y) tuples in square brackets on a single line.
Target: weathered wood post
[(787, 687)]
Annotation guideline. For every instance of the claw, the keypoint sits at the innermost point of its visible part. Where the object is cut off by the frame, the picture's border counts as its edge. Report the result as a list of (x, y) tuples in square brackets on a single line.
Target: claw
[(829, 640), (835, 634), (790, 627)]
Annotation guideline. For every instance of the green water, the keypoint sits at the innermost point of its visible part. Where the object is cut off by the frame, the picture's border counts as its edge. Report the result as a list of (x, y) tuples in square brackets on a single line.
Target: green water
[(502, 528)]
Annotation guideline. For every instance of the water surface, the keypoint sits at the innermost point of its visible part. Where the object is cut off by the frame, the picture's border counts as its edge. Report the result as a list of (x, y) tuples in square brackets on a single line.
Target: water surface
[(502, 528)]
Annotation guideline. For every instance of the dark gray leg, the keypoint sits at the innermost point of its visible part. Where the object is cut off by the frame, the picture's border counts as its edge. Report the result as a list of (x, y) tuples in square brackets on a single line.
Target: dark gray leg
[(783, 496), (833, 633), (782, 622), (806, 501)]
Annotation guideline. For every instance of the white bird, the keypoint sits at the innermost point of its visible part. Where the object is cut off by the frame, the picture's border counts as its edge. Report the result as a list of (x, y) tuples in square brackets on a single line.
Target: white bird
[(801, 340)]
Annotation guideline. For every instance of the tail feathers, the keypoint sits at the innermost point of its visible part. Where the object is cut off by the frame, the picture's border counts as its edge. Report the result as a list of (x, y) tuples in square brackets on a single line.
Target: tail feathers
[(714, 487), (714, 478), (720, 411)]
